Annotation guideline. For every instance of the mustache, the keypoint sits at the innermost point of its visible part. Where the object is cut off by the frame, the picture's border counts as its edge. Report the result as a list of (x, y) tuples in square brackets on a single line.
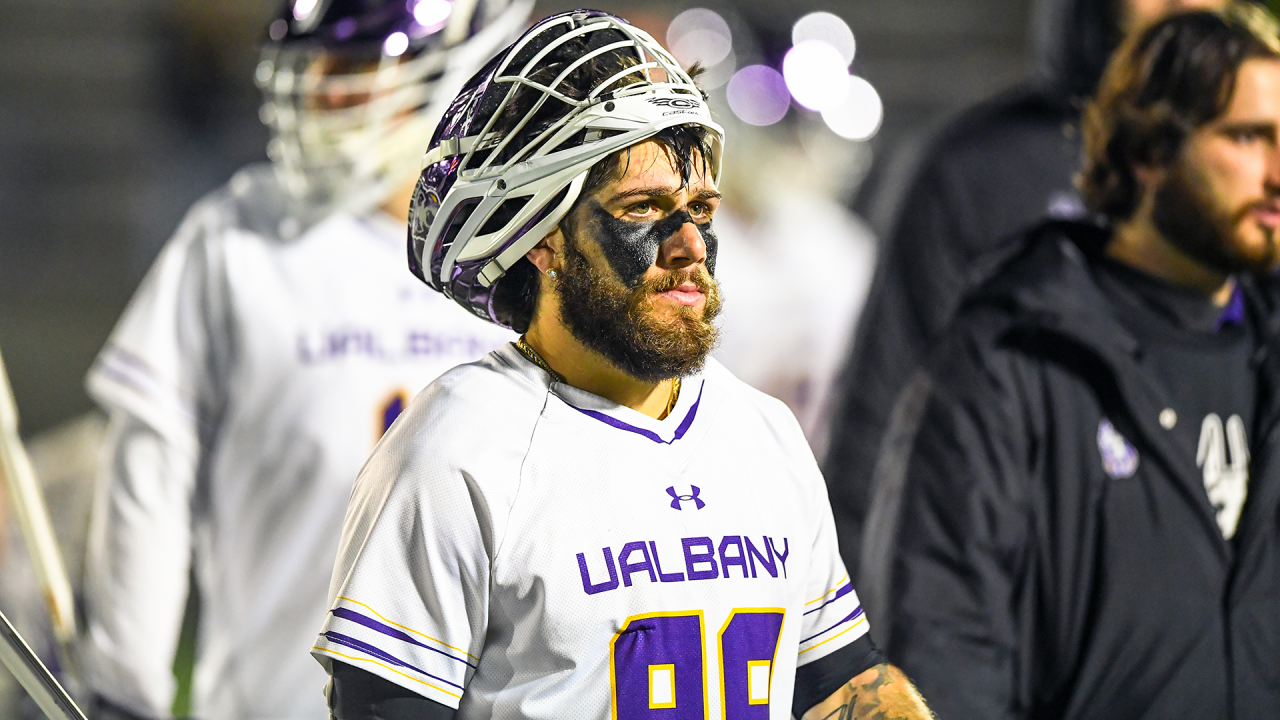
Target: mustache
[(672, 279), (1271, 203)]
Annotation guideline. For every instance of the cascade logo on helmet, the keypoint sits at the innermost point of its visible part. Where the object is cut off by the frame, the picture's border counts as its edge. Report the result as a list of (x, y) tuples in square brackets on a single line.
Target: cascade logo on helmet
[(675, 102)]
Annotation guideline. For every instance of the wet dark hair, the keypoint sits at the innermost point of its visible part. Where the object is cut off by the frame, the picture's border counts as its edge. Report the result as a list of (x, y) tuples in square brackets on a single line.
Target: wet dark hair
[(516, 295), (1160, 86)]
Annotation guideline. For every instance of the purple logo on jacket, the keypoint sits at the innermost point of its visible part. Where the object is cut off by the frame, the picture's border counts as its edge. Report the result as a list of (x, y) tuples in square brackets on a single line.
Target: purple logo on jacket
[(1119, 458)]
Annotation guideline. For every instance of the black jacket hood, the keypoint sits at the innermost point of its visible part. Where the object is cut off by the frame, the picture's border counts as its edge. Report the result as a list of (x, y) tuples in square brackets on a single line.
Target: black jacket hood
[(1049, 286), (1071, 41)]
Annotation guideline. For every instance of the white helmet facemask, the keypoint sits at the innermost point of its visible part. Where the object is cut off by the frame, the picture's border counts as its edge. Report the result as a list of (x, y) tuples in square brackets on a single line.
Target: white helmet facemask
[(543, 176), (347, 129)]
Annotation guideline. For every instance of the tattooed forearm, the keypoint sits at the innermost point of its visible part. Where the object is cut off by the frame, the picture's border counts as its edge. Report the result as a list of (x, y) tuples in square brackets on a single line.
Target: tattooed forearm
[(840, 713), (881, 693)]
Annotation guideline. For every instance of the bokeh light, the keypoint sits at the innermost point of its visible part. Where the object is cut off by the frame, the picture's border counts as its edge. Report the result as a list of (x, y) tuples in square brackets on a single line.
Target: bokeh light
[(302, 9), (758, 95), (858, 115), (345, 28), (395, 45), (816, 74), (432, 14), (703, 36), (828, 28)]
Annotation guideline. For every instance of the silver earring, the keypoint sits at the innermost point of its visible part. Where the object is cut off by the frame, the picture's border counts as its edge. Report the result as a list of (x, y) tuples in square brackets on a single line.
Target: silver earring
[(553, 274)]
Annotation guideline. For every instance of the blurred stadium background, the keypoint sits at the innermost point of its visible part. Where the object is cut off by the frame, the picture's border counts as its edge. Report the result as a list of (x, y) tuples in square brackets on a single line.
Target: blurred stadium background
[(115, 115)]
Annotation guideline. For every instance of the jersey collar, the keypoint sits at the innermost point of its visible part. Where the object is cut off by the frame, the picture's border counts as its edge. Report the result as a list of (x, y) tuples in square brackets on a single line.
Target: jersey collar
[(666, 431)]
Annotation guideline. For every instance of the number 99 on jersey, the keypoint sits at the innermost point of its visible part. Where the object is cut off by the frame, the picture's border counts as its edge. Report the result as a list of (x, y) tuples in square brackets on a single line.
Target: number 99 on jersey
[(658, 665)]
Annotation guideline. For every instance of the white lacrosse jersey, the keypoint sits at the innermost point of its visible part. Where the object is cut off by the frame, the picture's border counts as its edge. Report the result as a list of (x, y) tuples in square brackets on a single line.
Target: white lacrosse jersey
[(518, 548), (248, 381)]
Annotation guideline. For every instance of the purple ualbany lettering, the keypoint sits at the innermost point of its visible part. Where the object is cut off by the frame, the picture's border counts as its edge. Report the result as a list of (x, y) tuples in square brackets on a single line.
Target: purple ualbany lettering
[(782, 556), (700, 561), (305, 356), (768, 563), (422, 343), (691, 559), (332, 345), (664, 577), (727, 560), (587, 585), (626, 567)]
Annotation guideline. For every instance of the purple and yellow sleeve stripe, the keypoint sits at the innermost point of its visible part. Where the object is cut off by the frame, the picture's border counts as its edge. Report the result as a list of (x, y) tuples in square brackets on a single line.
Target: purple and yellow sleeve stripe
[(358, 634), (832, 620)]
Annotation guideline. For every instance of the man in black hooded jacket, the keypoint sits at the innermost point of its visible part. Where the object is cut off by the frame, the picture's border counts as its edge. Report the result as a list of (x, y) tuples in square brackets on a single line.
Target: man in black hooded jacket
[(996, 169), (1088, 514)]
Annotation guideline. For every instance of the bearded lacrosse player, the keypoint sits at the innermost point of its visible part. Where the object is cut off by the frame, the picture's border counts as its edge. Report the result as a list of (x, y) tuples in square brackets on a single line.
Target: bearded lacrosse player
[(272, 343), (596, 520)]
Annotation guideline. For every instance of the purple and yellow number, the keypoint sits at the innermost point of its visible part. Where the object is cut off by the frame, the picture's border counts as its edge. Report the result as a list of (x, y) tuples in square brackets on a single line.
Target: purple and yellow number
[(748, 648), (390, 410), (657, 668)]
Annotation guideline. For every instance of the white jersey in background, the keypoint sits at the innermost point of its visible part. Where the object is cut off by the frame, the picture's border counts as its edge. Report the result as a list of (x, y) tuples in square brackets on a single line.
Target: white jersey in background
[(247, 382), (782, 332), (523, 549)]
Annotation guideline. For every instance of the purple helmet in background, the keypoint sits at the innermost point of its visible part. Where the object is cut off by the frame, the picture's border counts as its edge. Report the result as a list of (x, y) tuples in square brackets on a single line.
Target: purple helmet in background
[(353, 89), (488, 193)]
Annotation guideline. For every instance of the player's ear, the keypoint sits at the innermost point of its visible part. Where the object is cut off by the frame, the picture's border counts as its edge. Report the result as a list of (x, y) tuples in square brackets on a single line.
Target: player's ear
[(546, 254)]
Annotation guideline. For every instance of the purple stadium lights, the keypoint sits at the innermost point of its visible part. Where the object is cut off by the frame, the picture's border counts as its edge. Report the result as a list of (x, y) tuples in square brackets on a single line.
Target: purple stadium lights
[(758, 95)]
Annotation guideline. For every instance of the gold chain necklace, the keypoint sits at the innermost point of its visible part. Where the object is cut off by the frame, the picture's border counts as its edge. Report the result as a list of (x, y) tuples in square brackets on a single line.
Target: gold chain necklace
[(527, 350)]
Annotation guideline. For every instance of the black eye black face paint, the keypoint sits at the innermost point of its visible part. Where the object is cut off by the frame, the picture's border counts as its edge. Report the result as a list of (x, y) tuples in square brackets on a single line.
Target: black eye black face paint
[(631, 247)]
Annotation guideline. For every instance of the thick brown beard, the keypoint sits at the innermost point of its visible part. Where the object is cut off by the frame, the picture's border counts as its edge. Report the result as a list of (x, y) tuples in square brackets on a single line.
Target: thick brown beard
[(622, 324), (1191, 219)]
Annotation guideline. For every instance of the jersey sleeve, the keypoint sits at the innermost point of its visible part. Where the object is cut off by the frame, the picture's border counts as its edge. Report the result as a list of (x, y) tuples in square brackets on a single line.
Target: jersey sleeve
[(155, 377), (136, 567), (167, 356), (832, 616), (409, 594)]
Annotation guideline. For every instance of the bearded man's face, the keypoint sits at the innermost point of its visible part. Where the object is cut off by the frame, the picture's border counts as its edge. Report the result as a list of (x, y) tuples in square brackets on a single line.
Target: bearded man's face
[(636, 284), (1219, 203)]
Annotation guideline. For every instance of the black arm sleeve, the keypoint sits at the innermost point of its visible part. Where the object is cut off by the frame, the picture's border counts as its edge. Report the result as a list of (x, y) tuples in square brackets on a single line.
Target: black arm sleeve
[(360, 695), (819, 680)]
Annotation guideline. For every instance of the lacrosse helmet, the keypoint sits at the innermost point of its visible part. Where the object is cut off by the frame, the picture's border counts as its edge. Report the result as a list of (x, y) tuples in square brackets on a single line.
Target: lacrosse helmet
[(509, 159), (353, 89)]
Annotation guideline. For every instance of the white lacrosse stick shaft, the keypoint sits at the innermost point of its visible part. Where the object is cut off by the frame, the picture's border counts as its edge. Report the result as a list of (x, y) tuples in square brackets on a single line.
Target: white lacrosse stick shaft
[(33, 518)]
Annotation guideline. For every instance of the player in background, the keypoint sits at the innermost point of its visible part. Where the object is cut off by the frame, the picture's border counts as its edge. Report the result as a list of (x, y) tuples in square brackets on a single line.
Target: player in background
[(595, 521), (789, 344), (270, 346)]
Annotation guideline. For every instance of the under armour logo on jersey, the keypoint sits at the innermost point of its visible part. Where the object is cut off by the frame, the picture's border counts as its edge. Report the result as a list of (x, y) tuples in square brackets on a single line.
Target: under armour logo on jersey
[(676, 498), (1225, 479)]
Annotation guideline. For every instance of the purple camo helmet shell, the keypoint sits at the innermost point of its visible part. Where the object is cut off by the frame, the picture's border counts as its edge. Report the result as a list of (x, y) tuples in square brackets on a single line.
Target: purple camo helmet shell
[(467, 114)]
